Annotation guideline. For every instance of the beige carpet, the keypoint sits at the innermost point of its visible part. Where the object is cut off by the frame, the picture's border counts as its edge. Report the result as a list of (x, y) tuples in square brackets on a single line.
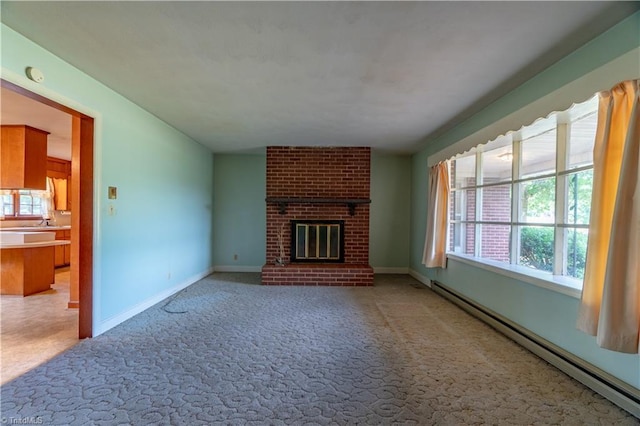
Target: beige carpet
[(228, 351)]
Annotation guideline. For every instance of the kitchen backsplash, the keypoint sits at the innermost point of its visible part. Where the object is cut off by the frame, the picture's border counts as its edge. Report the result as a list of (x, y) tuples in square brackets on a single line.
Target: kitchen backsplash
[(61, 218)]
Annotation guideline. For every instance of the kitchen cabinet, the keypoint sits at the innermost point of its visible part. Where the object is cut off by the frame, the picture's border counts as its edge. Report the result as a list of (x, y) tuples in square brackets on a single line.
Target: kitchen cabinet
[(62, 255), (26, 270), (27, 261), (61, 252), (23, 164), (67, 248)]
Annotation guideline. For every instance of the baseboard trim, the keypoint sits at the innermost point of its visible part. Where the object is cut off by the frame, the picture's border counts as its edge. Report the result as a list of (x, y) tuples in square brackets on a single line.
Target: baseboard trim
[(424, 280), (610, 387), (386, 270), (232, 268), (146, 304)]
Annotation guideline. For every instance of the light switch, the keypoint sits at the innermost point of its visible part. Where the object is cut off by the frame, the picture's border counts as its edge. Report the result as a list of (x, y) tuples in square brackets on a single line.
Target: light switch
[(113, 192)]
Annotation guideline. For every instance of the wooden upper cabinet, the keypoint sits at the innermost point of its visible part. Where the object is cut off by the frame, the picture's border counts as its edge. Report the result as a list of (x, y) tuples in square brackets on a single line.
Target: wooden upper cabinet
[(23, 157)]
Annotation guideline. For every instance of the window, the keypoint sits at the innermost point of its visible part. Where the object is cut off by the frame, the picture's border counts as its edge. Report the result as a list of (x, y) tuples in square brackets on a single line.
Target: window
[(22, 203), (7, 204), (525, 199)]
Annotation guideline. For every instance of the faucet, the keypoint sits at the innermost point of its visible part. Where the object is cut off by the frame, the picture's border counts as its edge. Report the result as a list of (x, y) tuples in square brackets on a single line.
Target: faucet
[(45, 221)]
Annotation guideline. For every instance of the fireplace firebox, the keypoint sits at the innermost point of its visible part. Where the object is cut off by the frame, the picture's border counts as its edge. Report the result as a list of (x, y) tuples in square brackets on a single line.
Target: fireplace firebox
[(317, 241)]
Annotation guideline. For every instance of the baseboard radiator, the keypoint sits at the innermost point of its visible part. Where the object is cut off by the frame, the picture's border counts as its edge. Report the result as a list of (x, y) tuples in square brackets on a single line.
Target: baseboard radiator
[(615, 390)]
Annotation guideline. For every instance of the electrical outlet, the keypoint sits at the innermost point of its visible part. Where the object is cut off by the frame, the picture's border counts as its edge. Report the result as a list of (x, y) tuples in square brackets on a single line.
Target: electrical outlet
[(235, 257)]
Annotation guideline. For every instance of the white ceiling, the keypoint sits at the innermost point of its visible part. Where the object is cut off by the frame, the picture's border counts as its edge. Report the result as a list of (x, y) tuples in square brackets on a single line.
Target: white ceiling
[(18, 109), (238, 76)]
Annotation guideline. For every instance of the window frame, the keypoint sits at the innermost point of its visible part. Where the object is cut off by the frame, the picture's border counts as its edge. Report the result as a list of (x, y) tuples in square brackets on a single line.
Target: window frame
[(15, 195), (557, 279)]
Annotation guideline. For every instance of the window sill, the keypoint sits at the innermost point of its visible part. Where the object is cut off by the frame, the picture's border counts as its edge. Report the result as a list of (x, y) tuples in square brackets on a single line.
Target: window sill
[(565, 285), (9, 218)]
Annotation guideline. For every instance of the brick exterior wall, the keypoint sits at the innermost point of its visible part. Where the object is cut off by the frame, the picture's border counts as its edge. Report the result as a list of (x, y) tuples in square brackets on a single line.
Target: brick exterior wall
[(496, 207), (308, 172)]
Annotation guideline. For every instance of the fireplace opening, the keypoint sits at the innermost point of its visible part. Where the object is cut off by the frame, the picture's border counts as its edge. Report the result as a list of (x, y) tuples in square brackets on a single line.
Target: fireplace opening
[(317, 241)]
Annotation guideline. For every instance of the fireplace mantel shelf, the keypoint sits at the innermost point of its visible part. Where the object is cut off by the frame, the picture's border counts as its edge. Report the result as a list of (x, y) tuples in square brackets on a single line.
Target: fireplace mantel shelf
[(349, 202)]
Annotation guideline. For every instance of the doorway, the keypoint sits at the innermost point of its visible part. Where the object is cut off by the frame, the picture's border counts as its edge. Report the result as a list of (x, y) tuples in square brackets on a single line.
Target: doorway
[(82, 146)]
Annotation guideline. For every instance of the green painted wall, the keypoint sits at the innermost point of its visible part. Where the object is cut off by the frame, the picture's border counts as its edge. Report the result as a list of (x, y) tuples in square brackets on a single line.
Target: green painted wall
[(240, 219), (160, 237), (390, 213), (545, 312), (239, 225)]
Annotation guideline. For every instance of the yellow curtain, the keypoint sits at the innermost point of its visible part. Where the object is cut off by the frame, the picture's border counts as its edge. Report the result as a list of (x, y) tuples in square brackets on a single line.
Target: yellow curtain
[(435, 245), (60, 186), (610, 304)]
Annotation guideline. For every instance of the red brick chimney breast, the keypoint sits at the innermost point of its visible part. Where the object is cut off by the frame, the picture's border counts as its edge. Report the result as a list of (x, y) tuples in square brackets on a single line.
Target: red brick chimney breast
[(326, 174)]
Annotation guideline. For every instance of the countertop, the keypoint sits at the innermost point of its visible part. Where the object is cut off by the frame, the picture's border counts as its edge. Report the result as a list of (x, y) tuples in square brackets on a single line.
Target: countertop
[(35, 245), (37, 228)]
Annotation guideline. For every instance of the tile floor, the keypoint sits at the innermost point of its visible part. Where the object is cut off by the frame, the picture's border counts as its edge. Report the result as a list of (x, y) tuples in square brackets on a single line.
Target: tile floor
[(35, 328)]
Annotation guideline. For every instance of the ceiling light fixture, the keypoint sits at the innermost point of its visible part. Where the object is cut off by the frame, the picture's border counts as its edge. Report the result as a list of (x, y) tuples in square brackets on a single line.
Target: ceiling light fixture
[(507, 156)]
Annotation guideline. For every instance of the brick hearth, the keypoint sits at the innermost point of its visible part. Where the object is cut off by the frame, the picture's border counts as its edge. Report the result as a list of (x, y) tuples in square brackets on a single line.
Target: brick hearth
[(322, 174)]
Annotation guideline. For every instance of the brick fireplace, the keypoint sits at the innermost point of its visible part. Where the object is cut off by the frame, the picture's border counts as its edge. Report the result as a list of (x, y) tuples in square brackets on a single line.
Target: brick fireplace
[(309, 191)]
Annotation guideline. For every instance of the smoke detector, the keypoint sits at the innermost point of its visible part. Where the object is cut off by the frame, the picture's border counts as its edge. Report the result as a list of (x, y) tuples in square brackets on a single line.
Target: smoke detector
[(35, 74)]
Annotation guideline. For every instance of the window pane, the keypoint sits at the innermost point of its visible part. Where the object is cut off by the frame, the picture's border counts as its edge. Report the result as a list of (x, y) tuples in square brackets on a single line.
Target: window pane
[(537, 202), (25, 209), (536, 247), (462, 235), (539, 154), (301, 243), (496, 203), (579, 187), (30, 203), (469, 246), (462, 238), (464, 204), (495, 242), (7, 205), (463, 171), (453, 241), (576, 241), (322, 241), (496, 165), (312, 241), (581, 141), (26, 203), (334, 250)]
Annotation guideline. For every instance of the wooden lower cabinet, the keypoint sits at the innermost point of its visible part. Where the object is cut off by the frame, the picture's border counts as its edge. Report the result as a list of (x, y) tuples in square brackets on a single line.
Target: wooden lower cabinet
[(26, 271), (59, 255), (62, 255), (67, 248)]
